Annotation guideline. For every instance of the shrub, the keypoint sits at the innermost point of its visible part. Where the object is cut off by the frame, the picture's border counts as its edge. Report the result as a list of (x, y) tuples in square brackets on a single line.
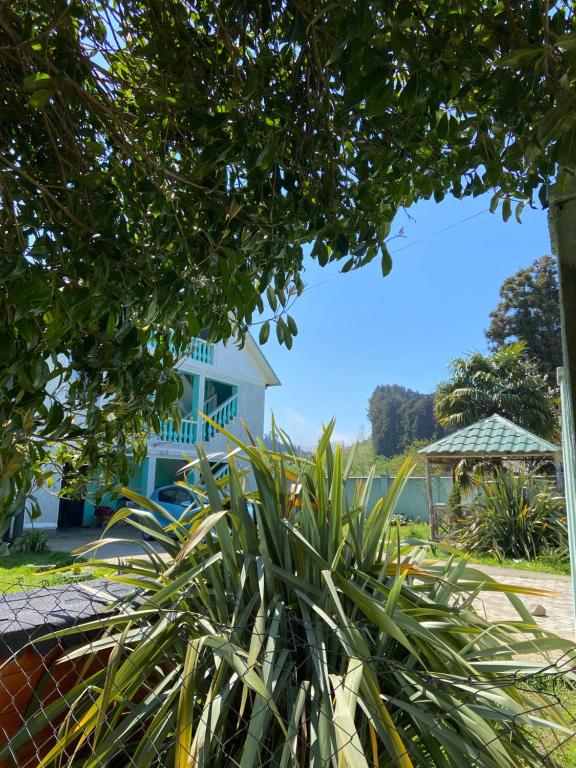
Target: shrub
[(453, 509), (33, 542), (454, 499), (517, 516), (286, 627)]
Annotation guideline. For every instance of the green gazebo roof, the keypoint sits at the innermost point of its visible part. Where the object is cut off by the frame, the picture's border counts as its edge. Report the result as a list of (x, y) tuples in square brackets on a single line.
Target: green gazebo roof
[(494, 436)]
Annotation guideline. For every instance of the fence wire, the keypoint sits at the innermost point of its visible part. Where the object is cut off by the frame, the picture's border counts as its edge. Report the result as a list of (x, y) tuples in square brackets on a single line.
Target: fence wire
[(63, 690)]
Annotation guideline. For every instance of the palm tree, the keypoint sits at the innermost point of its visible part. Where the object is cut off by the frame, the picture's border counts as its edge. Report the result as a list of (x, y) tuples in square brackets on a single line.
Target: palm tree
[(506, 382)]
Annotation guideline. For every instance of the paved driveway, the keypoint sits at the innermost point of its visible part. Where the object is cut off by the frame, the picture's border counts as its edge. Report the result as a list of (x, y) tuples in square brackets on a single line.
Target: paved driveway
[(558, 606), (126, 541)]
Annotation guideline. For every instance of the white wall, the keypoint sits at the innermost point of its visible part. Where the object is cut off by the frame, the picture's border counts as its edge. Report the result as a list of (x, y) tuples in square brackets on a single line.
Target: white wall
[(49, 503), (250, 409), (230, 364)]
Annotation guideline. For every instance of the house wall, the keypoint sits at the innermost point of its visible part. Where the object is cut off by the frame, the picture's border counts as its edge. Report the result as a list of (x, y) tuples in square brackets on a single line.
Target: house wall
[(244, 370), (49, 503), (251, 399)]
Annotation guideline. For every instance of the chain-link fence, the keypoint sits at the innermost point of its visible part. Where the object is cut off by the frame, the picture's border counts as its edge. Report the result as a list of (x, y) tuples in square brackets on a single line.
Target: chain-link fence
[(95, 674)]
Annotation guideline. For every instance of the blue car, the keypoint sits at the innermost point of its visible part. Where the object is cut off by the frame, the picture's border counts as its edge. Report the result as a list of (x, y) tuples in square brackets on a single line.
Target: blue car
[(176, 500)]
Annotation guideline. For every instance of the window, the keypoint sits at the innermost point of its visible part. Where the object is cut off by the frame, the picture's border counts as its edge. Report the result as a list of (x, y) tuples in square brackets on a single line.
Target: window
[(176, 495)]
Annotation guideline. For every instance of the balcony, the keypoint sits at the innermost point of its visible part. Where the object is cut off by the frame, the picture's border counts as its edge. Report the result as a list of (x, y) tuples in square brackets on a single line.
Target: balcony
[(202, 351), (199, 349), (186, 435), (222, 415), (189, 434)]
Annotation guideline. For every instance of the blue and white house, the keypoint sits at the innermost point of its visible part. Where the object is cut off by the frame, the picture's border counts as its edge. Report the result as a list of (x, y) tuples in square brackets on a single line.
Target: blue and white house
[(226, 383)]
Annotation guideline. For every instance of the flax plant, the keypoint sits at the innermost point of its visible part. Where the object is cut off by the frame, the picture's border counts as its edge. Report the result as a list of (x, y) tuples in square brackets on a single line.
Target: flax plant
[(291, 626)]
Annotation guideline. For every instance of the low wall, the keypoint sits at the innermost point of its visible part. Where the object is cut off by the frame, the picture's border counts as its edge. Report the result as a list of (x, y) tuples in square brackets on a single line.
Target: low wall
[(413, 501)]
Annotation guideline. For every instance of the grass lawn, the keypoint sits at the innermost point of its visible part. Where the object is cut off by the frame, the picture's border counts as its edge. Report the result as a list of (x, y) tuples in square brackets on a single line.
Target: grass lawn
[(560, 747), (539, 564), (415, 531), (20, 571)]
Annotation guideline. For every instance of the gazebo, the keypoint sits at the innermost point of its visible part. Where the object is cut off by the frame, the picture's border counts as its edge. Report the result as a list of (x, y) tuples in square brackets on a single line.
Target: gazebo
[(493, 438)]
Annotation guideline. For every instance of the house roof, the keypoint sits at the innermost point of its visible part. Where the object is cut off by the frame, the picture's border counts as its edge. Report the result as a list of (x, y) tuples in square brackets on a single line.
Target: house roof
[(270, 377), (494, 436)]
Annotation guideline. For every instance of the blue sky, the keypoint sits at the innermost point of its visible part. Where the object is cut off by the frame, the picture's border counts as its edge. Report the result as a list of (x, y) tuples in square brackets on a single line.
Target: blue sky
[(358, 330)]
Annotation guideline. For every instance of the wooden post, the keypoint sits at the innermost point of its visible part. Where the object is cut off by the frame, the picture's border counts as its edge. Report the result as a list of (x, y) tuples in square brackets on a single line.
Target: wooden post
[(431, 508)]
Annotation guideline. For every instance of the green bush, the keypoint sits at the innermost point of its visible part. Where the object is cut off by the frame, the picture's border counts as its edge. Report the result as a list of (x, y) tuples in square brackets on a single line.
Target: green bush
[(454, 499), (33, 542), (286, 627), (516, 516)]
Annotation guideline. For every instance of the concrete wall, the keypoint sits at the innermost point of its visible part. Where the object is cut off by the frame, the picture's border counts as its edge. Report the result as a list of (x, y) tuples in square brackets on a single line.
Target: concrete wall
[(412, 502)]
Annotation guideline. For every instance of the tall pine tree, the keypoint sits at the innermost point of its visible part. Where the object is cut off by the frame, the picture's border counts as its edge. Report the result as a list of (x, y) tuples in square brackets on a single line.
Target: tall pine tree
[(529, 311)]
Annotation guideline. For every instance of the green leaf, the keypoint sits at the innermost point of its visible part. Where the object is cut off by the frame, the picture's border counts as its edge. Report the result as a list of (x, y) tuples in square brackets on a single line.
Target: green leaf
[(36, 81), (264, 332), (386, 262), (521, 56), (292, 327), (39, 98), (272, 299)]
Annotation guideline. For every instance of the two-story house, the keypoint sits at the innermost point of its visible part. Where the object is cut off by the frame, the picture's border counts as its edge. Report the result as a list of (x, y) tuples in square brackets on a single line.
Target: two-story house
[(226, 383)]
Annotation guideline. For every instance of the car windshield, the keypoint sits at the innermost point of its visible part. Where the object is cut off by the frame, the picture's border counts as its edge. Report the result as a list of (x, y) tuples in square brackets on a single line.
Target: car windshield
[(176, 495)]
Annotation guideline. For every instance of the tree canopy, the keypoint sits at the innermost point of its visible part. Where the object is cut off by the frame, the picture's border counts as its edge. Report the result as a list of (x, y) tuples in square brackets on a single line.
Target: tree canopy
[(507, 383), (399, 417), (529, 311), (164, 164)]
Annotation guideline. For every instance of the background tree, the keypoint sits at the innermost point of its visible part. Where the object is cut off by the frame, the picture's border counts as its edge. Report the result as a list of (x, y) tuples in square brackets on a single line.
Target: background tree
[(529, 311), (507, 383), (399, 417), (163, 165)]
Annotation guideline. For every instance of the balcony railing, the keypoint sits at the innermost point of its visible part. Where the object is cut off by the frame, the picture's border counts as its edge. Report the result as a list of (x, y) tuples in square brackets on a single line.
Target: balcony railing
[(200, 350), (186, 435), (222, 415)]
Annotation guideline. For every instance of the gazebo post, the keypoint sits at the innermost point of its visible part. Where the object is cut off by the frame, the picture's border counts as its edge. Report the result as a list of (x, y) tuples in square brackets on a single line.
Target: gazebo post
[(431, 508)]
